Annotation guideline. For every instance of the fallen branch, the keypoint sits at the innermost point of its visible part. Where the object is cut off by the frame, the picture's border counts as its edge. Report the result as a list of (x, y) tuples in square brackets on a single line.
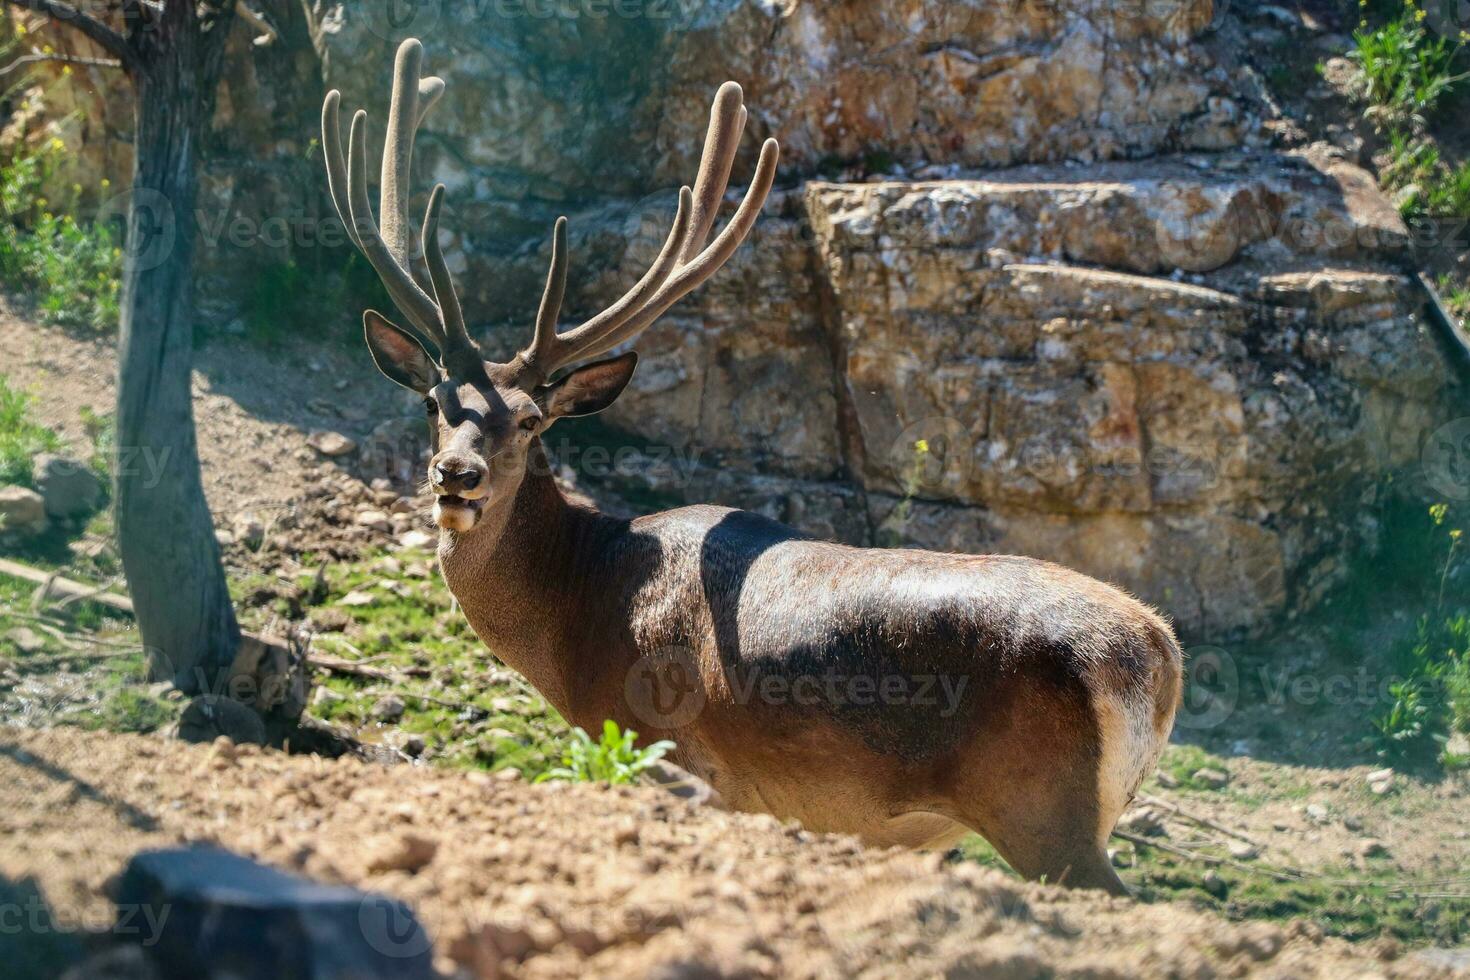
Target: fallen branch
[(65, 59), (1178, 810), (69, 589), (340, 665)]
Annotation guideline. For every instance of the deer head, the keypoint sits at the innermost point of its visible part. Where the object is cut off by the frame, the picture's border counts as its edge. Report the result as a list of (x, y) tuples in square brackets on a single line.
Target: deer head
[(485, 417)]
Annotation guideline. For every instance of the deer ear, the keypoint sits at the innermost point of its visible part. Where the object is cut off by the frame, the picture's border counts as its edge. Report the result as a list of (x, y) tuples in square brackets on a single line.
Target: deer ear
[(398, 354), (589, 389)]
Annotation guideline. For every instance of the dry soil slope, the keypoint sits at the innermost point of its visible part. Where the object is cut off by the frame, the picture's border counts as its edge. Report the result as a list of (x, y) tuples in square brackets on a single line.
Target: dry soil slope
[(576, 880)]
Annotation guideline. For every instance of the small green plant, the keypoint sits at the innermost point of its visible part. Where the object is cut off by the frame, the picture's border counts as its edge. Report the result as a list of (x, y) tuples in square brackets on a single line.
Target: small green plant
[(1431, 698), (21, 437), (891, 534), (615, 759), (102, 431), (1405, 69), (70, 269)]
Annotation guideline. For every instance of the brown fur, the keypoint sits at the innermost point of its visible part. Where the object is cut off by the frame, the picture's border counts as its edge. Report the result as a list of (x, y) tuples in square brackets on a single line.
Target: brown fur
[(573, 599)]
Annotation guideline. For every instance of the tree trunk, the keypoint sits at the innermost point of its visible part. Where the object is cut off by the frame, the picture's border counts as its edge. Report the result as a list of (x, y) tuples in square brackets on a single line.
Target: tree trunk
[(164, 530)]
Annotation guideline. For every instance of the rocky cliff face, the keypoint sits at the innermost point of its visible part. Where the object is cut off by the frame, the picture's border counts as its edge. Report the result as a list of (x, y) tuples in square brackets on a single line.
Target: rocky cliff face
[(1035, 280)]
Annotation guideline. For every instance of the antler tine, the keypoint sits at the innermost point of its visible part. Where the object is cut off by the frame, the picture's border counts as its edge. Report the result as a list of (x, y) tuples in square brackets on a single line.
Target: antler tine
[(438, 321), (721, 141), (706, 263), (544, 342), (403, 121), (564, 348), (409, 297), (336, 164), (452, 316), (685, 261)]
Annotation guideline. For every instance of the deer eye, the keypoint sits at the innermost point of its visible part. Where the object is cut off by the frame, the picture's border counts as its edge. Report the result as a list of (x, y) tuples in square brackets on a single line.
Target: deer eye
[(529, 423)]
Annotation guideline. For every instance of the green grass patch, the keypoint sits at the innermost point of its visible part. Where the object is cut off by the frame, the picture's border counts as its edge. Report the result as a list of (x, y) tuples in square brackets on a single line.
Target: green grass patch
[(1343, 902), (1350, 904), (21, 437), (470, 710), (1181, 762)]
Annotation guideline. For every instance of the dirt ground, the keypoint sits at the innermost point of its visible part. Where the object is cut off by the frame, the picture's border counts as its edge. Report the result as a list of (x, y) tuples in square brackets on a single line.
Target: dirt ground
[(254, 406), (568, 880)]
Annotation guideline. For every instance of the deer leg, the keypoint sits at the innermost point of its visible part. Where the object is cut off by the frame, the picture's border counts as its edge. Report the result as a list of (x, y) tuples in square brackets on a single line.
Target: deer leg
[(1041, 791)]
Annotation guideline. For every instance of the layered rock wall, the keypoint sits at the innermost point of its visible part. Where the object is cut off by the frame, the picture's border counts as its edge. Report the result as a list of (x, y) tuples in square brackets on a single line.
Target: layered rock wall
[(1033, 281)]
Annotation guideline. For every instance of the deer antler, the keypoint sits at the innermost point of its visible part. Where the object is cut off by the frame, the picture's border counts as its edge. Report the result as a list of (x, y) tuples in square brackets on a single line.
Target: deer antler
[(438, 321), (683, 263)]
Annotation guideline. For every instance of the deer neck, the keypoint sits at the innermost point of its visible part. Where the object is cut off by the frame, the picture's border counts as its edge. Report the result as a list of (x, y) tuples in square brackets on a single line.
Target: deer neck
[(520, 577)]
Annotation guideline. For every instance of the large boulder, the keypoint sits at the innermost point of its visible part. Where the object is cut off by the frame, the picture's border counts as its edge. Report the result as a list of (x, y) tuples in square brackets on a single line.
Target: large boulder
[(70, 487)]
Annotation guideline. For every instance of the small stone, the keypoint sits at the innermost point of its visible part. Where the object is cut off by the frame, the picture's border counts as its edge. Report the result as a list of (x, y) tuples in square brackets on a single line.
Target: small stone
[(1380, 781), (1243, 850), (389, 708), (1120, 858), (1212, 778), (1167, 781), (1370, 847), (330, 443), (224, 538), (249, 530), (357, 597), (411, 744), (1214, 884), (402, 852), (22, 511), (508, 775), (25, 640), (416, 539), (373, 519), (379, 483), (1317, 813), (324, 696), (1142, 820)]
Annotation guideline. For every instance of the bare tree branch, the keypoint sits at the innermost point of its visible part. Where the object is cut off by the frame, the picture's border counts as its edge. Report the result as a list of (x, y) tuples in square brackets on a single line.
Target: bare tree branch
[(66, 59), (90, 27)]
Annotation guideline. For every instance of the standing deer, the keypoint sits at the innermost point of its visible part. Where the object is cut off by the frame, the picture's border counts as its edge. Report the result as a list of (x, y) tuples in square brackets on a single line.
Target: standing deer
[(904, 696)]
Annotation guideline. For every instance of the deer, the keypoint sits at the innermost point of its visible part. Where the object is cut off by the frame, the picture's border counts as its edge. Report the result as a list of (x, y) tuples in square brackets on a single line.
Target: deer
[(906, 697)]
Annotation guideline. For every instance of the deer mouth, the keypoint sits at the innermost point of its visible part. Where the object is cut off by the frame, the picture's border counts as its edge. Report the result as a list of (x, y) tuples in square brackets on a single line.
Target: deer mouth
[(455, 513)]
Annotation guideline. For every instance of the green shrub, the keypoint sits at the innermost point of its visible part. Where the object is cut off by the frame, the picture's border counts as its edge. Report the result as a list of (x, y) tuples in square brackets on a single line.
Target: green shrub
[(21, 438), (72, 270), (1406, 69), (615, 759), (1431, 698)]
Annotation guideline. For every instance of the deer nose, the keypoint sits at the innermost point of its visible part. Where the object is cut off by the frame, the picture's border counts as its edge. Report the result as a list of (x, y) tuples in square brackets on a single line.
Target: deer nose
[(456, 478)]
